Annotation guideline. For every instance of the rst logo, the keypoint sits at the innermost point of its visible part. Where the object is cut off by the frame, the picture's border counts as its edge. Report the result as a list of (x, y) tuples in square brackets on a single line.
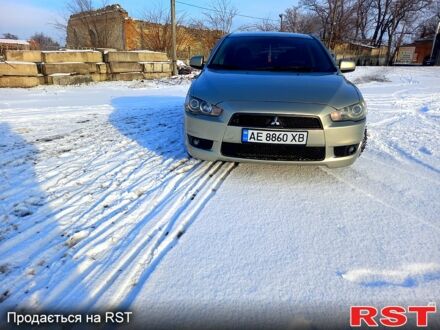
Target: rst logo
[(390, 316)]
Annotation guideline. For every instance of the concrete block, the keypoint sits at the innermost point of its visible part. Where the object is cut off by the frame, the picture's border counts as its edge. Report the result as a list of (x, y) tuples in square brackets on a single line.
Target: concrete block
[(119, 67), (93, 67), (23, 55), (74, 68), (148, 67), (12, 68), (71, 56), (135, 56), (156, 75), (19, 81), (97, 77), (152, 56), (156, 67), (41, 79), (127, 76), (65, 80), (102, 67), (167, 67)]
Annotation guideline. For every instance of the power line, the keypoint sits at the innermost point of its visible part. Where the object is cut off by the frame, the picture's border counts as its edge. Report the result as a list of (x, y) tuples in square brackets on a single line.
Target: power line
[(212, 9)]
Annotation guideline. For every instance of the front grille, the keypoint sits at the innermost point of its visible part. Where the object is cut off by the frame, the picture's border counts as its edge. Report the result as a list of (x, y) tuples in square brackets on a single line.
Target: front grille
[(280, 152), (265, 120)]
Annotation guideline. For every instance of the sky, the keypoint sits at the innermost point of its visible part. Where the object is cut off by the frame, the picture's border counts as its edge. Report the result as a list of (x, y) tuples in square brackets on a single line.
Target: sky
[(25, 17)]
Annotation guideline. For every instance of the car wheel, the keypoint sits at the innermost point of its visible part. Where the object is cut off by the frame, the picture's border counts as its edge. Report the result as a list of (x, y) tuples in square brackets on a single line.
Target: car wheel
[(364, 141)]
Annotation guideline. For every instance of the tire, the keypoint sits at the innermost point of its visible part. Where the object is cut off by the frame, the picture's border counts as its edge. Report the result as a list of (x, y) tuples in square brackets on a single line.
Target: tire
[(364, 141)]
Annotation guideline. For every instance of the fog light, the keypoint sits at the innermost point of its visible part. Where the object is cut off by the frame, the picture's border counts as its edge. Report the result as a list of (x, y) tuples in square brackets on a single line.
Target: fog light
[(344, 151), (200, 143)]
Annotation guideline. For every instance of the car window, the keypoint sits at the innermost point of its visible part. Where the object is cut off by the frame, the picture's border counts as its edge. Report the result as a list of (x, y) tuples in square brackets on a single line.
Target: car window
[(272, 54)]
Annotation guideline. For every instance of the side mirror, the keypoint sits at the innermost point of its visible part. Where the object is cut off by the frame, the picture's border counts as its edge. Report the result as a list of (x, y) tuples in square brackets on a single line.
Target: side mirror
[(347, 66), (197, 62)]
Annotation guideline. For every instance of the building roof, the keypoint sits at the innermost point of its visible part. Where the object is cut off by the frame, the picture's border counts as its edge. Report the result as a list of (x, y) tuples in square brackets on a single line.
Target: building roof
[(14, 42)]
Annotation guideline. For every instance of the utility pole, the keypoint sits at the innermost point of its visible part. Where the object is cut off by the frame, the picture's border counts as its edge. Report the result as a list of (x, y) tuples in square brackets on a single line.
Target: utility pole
[(433, 44), (281, 22), (173, 37)]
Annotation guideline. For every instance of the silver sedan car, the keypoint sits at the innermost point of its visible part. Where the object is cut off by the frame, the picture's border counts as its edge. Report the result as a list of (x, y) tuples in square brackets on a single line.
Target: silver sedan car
[(274, 98)]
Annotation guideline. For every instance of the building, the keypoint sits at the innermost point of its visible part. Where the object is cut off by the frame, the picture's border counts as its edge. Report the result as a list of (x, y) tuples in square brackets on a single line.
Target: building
[(111, 27), (416, 53), (12, 44), (362, 54)]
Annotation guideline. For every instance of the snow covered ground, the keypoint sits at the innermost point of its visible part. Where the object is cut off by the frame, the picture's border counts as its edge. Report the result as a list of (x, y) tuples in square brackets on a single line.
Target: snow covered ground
[(101, 208)]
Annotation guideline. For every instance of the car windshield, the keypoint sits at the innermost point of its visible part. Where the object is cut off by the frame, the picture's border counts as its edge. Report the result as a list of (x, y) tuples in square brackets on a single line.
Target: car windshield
[(256, 53)]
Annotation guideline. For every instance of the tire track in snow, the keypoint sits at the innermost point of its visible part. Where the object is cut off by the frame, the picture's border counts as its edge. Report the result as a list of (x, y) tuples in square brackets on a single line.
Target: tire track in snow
[(141, 251), (379, 200), (114, 206)]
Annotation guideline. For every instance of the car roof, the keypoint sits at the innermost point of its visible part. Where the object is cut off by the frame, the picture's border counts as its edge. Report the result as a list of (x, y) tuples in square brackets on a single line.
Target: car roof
[(269, 34)]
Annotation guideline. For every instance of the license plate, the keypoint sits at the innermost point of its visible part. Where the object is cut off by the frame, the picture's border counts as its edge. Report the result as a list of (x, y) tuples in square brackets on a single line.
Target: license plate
[(273, 137)]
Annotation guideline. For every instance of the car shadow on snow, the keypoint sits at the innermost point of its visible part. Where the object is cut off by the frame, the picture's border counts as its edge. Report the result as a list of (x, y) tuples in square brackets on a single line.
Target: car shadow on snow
[(154, 122), (34, 247)]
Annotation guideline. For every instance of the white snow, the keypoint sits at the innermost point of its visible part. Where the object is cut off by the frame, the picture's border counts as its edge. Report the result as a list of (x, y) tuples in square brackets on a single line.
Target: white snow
[(100, 207), (403, 276), (14, 42)]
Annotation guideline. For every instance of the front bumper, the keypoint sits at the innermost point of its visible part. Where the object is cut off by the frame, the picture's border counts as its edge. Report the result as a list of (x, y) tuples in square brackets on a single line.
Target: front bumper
[(332, 134)]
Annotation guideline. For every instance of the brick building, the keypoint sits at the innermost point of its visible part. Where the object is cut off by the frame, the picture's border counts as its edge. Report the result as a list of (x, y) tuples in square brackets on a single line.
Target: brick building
[(12, 44), (111, 27), (416, 52)]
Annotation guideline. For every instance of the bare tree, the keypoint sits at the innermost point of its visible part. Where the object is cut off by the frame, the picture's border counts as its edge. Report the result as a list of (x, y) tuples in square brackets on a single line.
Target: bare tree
[(10, 36), (206, 37), (403, 16), (428, 25), (295, 20), (266, 25), (221, 16), (334, 16), (362, 19), (156, 30), (298, 21), (44, 42)]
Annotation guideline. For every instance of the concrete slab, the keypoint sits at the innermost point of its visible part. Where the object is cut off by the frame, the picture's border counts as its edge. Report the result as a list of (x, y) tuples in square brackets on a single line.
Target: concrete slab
[(23, 55), (74, 68), (120, 67), (102, 67), (156, 67), (135, 56), (71, 56), (65, 80), (18, 81), (12, 68), (97, 77)]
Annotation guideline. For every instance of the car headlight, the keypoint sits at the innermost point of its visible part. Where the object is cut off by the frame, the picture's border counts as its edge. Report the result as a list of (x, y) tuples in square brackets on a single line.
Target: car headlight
[(198, 106), (353, 112)]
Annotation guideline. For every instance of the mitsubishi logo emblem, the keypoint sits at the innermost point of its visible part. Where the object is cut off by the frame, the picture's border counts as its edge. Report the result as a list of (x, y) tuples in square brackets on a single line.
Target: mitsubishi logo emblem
[(275, 122)]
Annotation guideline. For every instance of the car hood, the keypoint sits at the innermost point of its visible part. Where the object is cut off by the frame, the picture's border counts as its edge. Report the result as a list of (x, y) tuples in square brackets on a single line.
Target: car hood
[(225, 86)]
